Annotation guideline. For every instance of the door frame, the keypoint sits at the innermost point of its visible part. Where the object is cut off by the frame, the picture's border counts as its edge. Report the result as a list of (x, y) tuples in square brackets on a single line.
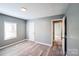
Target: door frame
[(65, 33), (56, 21), (52, 38)]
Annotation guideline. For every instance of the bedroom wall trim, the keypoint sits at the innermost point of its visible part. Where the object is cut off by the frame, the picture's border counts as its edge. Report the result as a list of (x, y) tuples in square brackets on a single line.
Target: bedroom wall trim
[(40, 43)]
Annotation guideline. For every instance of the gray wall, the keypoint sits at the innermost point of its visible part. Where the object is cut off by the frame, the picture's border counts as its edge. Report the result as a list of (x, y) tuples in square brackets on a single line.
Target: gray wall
[(43, 28), (20, 29), (73, 29)]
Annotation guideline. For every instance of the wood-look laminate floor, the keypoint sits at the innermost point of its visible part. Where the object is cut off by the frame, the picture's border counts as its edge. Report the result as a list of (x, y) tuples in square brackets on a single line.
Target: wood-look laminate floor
[(30, 48)]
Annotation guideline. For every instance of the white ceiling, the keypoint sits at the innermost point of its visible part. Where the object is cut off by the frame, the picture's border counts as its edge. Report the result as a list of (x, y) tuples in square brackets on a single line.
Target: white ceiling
[(34, 10)]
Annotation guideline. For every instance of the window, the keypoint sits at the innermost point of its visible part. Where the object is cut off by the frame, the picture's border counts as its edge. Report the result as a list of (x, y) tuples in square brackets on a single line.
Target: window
[(10, 30)]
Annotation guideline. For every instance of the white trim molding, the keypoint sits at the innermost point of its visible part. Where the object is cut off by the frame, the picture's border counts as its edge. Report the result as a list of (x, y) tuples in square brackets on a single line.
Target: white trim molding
[(41, 43), (25, 40)]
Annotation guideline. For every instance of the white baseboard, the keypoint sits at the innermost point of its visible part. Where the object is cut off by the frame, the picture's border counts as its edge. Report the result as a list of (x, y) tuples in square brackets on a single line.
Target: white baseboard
[(22, 41), (41, 43), (11, 44)]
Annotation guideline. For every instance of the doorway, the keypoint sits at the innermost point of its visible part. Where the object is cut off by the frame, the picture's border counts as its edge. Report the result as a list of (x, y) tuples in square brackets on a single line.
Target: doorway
[(58, 27), (57, 30)]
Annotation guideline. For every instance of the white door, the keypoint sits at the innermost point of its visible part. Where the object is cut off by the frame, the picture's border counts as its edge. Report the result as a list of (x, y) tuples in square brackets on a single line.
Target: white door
[(31, 31)]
